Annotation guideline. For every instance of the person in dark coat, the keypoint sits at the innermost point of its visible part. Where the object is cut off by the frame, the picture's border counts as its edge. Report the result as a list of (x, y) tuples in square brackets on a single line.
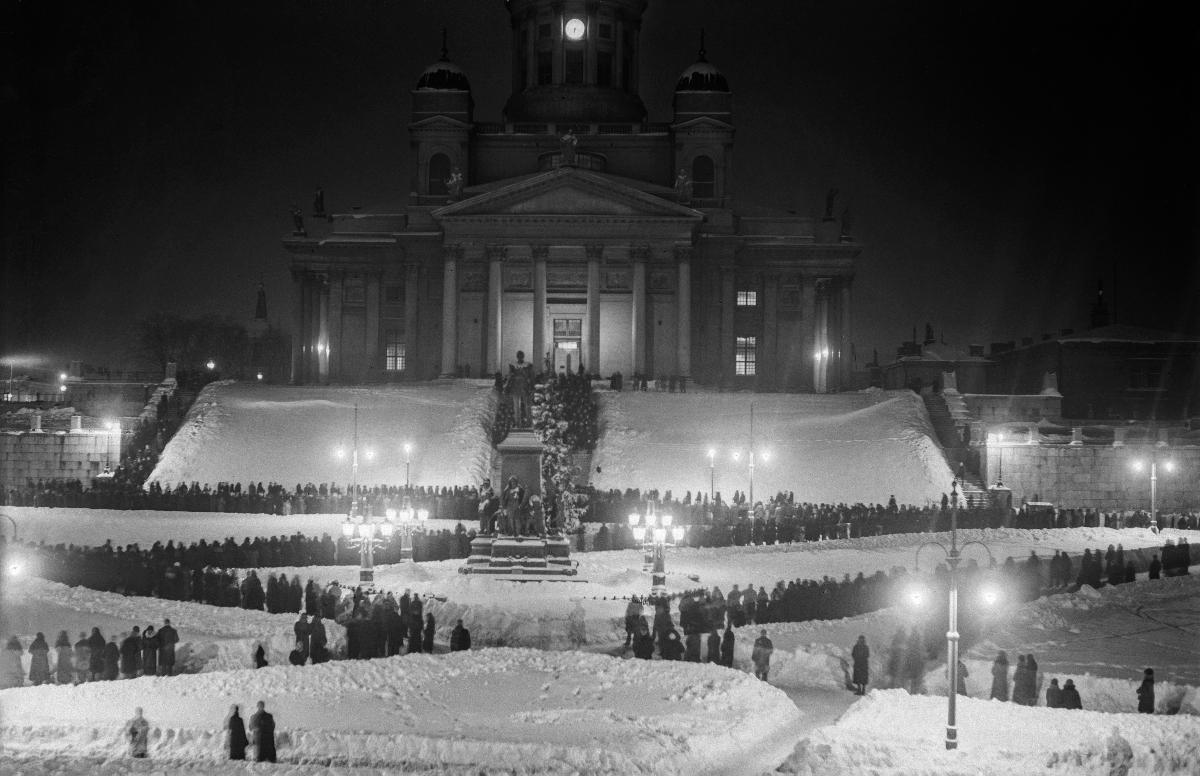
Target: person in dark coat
[(149, 652), (727, 642), (112, 660), (64, 666), (302, 629), (83, 659), (262, 729), (914, 662), (39, 660), (1145, 692), (297, 656), (1070, 696), (317, 640), (761, 656), (237, 735), (671, 647), (1155, 567), (962, 678), (393, 629), (713, 648), (139, 731), (861, 654), (96, 643), (1053, 695), (427, 637), (643, 642), (1000, 677), (131, 654), (260, 657), (1019, 681), (168, 637), (460, 638)]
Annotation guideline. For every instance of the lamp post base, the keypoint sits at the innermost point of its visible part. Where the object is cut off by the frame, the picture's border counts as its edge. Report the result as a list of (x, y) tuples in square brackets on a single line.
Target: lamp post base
[(366, 577), (951, 737)]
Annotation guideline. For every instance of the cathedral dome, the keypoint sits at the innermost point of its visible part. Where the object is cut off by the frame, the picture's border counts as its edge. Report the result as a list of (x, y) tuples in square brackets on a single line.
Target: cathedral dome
[(445, 76), (702, 77)]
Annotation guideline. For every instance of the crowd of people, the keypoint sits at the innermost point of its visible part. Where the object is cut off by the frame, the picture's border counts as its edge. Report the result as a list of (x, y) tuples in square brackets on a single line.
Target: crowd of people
[(92, 658)]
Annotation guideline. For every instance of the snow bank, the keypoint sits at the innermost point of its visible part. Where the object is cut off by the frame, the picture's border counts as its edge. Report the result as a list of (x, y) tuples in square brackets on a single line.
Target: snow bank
[(503, 709), (238, 432), (862, 446), (890, 732)]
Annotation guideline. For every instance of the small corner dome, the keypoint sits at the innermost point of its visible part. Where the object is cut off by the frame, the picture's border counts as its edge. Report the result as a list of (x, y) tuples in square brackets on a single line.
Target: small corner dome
[(702, 77), (445, 76)]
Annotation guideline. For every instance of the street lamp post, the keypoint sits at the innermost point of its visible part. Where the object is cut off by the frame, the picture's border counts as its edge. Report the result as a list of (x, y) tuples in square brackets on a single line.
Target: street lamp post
[(1000, 468), (1138, 466), (365, 536), (407, 463), (953, 556), (655, 533), (411, 520), (712, 474)]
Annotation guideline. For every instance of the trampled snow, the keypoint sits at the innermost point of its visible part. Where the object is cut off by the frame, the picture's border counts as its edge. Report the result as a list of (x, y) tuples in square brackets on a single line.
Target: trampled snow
[(518, 710), (863, 446), (242, 432)]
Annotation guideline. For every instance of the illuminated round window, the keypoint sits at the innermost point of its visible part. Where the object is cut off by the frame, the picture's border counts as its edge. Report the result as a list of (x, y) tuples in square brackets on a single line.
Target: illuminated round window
[(575, 29)]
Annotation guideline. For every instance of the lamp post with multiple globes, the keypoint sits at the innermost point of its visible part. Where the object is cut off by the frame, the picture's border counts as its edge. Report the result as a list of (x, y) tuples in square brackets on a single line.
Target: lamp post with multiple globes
[(989, 596), (1138, 466), (654, 531), (366, 536)]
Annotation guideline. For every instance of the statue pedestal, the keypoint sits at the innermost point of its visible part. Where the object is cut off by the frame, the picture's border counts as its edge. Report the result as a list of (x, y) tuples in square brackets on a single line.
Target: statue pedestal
[(521, 457), (521, 557)]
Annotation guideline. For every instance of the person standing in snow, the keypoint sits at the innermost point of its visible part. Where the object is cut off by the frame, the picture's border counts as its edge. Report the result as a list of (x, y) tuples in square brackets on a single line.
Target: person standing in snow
[(713, 655), (260, 657), (131, 654), (914, 662), (633, 612), (149, 652), (460, 638), (302, 629), (39, 660), (427, 636), (237, 735), (83, 659), (138, 730), (168, 637), (727, 645), (761, 656), (1145, 692), (895, 662), (962, 678), (112, 660), (64, 668), (1019, 681), (1070, 696), (1000, 677), (317, 640), (96, 644), (12, 673), (861, 654), (643, 642), (1053, 695), (262, 729)]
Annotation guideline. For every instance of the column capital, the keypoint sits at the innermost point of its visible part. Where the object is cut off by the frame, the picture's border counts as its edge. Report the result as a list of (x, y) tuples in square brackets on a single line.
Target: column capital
[(684, 251), (495, 252), (640, 253), (452, 252), (594, 251), (539, 252)]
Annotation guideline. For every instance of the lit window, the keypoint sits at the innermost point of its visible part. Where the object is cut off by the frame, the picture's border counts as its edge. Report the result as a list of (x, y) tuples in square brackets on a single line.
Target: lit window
[(394, 351), (747, 298), (744, 358)]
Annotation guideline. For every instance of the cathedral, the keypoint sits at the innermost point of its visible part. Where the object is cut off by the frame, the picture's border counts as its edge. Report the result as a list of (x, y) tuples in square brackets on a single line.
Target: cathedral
[(575, 230)]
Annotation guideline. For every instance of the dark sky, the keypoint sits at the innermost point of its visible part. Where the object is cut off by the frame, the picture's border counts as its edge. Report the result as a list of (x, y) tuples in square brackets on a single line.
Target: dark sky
[(998, 158)]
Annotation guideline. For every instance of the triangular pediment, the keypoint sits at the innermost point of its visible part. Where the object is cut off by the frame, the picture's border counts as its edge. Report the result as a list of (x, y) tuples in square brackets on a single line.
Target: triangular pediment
[(438, 122), (567, 191), (702, 123)]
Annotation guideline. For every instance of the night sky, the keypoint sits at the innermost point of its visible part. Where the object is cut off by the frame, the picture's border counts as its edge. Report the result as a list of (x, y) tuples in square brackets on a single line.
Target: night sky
[(998, 159)]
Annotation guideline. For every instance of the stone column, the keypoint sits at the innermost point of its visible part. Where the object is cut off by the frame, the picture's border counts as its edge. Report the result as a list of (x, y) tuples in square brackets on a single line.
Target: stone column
[(495, 257), (540, 254), (845, 343), (683, 311), (640, 254), (450, 256), (335, 325), (323, 333), (592, 346), (299, 336), (808, 311), (767, 356), (373, 365), (728, 338), (412, 340)]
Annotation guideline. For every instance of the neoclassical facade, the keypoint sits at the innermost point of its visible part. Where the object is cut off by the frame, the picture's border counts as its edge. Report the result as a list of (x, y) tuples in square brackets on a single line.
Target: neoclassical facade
[(574, 230)]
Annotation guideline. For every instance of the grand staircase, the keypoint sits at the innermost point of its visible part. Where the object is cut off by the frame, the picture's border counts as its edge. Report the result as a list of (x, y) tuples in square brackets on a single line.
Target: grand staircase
[(948, 414)]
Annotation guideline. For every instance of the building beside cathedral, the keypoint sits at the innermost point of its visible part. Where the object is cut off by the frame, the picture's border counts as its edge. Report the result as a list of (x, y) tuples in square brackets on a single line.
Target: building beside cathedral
[(575, 230)]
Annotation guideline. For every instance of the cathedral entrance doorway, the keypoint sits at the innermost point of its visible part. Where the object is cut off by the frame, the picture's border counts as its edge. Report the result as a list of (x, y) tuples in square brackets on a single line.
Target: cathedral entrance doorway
[(568, 338)]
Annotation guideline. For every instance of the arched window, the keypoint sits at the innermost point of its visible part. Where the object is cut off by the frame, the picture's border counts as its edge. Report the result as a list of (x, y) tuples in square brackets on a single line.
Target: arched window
[(704, 178), (439, 171)]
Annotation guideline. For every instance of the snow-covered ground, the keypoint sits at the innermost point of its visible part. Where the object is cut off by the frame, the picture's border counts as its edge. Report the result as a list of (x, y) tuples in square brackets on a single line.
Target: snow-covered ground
[(522, 711), (863, 446), (890, 733), (242, 432)]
